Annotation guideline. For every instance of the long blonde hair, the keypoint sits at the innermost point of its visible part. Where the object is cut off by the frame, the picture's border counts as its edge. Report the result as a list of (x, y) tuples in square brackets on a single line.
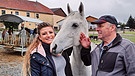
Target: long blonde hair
[(26, 63), (32, 46)]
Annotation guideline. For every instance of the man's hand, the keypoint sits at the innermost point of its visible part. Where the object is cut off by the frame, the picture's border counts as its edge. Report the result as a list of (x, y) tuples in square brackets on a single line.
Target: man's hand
[(85, 42)]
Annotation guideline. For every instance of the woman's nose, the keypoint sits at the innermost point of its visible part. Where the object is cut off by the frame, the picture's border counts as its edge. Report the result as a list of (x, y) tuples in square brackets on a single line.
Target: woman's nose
[(48, 34)]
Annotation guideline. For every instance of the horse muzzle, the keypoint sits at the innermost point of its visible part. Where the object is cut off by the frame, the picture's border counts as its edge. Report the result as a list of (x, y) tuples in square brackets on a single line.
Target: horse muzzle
[(54, 50)]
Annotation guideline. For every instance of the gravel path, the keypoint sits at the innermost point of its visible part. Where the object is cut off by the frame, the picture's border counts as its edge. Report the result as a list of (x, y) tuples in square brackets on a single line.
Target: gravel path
[(10, 63)]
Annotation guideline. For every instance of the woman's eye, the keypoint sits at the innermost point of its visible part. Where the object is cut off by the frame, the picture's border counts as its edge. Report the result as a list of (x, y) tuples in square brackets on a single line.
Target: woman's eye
[(44, 34), (50, 32)]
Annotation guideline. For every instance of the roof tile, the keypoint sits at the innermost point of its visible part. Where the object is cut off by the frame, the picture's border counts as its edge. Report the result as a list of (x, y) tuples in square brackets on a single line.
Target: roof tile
[(25, 5)]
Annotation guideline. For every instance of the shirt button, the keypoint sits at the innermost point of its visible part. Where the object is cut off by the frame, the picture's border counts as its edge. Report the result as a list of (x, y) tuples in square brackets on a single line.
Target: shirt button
[(33, 57), (102, 61)]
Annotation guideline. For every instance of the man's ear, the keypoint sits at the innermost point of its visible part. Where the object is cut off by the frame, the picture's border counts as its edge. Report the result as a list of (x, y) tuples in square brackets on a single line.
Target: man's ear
[(113, 27)]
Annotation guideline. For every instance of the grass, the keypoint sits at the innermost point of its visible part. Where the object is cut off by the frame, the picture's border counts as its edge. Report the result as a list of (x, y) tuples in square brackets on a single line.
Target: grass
[(128, 35), (96, 41)]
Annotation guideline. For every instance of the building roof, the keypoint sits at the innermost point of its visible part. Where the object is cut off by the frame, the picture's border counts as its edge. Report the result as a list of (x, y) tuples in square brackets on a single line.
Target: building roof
[(18, 18), (25, 5), (58, 11), (91, 18)]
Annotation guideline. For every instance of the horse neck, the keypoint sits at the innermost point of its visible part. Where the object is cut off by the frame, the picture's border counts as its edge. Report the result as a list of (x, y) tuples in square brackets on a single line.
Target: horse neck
[(76, 54)]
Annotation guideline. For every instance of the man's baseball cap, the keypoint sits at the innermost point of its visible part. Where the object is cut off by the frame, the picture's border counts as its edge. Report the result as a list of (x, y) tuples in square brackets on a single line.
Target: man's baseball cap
[(106, 18)]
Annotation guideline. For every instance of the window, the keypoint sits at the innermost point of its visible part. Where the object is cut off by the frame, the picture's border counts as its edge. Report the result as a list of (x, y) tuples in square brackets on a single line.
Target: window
[(11, 12), (3, 12), (16, 13), (37, 15), (28, 14)]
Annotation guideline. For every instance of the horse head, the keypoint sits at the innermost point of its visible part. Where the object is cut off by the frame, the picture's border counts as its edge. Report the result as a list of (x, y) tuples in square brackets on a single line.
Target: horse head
[(69, 34)]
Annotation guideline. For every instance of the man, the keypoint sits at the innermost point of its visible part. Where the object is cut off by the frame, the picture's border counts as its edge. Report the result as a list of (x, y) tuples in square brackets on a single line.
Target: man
[(114, 56)]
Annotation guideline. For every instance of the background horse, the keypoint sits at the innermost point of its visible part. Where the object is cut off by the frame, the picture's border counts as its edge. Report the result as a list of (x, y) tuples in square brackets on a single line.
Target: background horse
[(69, 36)]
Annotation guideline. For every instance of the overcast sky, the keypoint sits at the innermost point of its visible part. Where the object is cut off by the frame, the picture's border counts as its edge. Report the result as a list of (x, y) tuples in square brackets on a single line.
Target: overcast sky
[(121, 9)]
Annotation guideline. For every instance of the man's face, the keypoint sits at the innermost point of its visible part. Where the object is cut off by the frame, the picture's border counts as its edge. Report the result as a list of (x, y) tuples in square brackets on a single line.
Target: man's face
[(104, 30)]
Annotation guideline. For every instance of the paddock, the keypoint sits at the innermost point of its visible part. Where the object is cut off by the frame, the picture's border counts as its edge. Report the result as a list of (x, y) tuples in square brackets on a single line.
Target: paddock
[(19, 39)]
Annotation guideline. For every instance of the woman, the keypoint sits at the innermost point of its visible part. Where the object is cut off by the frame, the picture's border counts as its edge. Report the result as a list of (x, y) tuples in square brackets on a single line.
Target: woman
[(38, 60)]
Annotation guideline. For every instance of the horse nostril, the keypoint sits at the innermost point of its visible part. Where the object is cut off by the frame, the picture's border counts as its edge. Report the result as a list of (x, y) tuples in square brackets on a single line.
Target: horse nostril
[(54, 48)]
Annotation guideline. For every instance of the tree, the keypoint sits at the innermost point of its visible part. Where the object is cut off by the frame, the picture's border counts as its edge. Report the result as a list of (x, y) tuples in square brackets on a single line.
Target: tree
[(122, 26), (131, 22)]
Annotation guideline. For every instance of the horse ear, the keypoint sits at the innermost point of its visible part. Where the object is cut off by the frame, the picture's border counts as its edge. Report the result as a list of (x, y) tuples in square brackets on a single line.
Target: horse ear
[(69, 9), (81, 9)]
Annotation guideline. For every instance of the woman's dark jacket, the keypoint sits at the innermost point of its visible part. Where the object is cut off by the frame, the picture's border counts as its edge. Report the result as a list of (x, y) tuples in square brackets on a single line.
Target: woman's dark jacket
[(42, 66), (66, 55)]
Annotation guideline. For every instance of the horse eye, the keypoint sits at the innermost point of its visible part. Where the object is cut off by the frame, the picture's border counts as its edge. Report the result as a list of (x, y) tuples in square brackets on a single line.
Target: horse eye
[(75, 25)]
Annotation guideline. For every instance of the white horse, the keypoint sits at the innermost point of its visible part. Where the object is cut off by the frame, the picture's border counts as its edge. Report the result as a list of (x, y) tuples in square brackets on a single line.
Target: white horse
[(69, 36)]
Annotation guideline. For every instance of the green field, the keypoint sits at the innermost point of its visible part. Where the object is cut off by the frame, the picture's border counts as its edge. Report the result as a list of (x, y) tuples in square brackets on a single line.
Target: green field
[(128, 35)]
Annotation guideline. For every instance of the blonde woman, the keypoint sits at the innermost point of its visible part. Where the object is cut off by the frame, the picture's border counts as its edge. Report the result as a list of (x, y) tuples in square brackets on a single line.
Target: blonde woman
[(39, 61)]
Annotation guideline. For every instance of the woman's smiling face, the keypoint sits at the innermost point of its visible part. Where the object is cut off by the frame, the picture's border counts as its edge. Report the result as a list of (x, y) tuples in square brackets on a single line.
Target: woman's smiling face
[(47, 35)]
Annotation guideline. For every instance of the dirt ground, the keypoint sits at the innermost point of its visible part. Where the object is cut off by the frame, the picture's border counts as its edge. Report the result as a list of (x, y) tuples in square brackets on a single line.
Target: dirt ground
[(10, 63)]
